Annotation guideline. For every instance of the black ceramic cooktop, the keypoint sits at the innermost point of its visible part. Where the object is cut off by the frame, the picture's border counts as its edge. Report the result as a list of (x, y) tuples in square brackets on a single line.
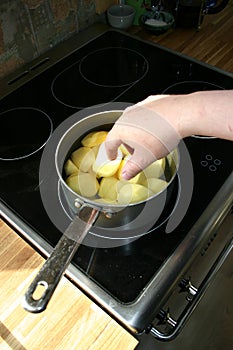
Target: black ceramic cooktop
[(112, 68)]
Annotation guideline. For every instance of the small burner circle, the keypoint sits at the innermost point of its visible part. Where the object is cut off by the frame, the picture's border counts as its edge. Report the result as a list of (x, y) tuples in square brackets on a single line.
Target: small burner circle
[(187, 87), (24, 131), (113, 67), (100, 77)]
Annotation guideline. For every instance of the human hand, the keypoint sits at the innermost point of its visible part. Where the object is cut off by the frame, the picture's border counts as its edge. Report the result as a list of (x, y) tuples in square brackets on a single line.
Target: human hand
[(147, 135)]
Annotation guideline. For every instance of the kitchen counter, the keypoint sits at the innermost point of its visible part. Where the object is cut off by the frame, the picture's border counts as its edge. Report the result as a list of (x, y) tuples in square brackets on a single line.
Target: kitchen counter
[(213, 44), (71, 321)]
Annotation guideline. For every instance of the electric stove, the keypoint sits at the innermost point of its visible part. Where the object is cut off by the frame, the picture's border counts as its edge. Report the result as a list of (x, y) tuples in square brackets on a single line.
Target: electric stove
[(112, 69)]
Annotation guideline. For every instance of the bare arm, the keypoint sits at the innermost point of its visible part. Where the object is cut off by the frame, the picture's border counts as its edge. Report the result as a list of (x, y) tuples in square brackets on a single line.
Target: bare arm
[(153, 127)]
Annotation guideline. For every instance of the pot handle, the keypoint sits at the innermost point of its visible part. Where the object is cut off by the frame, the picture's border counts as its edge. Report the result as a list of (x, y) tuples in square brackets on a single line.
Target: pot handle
[(43, 286)]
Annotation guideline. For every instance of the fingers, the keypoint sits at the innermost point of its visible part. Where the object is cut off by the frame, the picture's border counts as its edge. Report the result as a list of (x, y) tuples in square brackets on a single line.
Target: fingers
[(112, 147), (145, 133), (117, 136), (130, 170), (137, 162)]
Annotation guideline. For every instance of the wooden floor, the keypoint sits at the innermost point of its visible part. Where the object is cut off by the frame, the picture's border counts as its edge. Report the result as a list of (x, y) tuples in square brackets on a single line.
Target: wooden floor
[(212, 44), (71, 321)]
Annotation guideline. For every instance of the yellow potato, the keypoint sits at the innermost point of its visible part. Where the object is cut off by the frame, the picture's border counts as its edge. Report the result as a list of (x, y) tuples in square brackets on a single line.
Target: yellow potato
[(70, 167), (90, 162), (119, 170), (124, 150), (172, 159), (94, 138), (138, 179), (103, 167), (156, 169), (83, 158), (105, 201), (84, 184), (155, 185), (95, 149), (132, 193), (108, 188)]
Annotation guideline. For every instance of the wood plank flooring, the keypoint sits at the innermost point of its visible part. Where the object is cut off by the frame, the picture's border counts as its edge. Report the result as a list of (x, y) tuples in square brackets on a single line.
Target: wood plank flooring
[(70, 322)]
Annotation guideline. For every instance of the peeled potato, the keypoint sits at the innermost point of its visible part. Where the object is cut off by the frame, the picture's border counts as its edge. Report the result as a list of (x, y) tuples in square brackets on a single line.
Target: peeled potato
[(95, 149), (124, 150), (138, 179), (94, 138), (132, 193), (83, 158), (90, 162), (88, 185), (172, 159), (72, 182), (105, 201), (108, 188), (84, 184), (70, 167), (103, 167), (156, 169), (121, 166), (155, 185)]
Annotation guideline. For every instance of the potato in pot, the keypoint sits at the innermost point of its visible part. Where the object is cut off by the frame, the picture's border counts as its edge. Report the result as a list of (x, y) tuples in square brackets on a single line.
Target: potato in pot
[(91, 174)]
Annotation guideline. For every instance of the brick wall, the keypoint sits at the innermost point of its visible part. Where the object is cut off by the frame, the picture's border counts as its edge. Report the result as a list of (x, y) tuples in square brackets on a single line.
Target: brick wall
[(30, 27)]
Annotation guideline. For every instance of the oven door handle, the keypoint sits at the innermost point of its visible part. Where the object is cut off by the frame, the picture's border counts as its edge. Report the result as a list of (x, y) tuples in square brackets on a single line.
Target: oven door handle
[(186, 313)]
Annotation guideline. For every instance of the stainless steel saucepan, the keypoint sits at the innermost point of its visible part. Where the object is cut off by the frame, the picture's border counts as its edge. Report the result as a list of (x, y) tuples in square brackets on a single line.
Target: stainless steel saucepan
[(87, 212)]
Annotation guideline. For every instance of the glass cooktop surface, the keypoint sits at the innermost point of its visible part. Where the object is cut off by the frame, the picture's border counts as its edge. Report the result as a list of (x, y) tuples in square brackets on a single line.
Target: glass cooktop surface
[(112, 68)]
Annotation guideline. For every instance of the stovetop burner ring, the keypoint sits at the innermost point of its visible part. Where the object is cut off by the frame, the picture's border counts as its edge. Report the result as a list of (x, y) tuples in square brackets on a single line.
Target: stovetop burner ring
[(24, 131), (113, 67), (77, 84), (187, 87)]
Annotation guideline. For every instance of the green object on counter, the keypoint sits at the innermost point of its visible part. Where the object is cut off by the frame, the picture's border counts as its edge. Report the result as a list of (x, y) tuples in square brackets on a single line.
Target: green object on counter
[(140, 7)]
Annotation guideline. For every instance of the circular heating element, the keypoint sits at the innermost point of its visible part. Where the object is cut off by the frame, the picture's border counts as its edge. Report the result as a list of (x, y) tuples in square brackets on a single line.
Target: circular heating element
[(113, 67), (24, 131), (100, 77), (187, 87)]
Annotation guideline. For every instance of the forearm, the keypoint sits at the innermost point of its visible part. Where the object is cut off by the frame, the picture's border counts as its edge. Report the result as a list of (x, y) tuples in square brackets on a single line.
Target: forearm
[(201, 113), (214, 115)]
